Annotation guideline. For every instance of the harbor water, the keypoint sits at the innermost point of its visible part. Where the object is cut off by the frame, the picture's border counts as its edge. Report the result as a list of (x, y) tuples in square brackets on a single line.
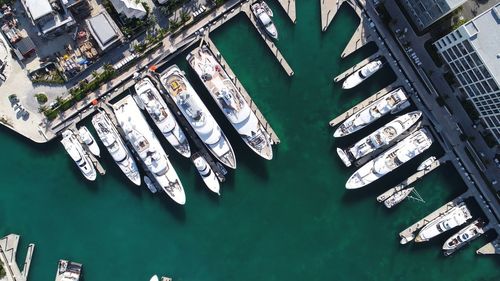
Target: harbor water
[(286, 219)]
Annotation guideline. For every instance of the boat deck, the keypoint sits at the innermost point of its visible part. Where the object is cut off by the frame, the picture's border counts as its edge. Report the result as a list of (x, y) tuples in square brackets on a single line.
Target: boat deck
[(72, 267), (100, 169), (356, 67), (8, 251)]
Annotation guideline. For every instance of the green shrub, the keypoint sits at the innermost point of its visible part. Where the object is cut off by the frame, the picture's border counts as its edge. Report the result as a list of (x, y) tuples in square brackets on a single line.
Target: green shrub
[(41, 98)]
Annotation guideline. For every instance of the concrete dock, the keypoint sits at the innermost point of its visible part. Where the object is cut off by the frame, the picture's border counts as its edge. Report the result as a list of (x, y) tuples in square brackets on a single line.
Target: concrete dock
[(262, 120), (289, 7), (329, 9), (411, 179), (359, 39), (492, 248), (8, 251)]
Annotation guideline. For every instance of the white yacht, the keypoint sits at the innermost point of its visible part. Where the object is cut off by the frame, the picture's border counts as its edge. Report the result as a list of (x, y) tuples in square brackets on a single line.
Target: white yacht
[(393, 102), (154, 278), (207, 174), (89, 141), (150, 99), (116, 147), (263, 17), (148, 148), (391, 159), (198, 116), (454, 217), (78, 154), (362, 74), (379, 138), (266, 8), (426, 163), (397, 197), (230, 101), (465, 235)]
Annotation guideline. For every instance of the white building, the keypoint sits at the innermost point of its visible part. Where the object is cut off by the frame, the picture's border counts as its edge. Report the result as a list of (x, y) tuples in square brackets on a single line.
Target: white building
[(49, 16), (473, 53), (129, 8)]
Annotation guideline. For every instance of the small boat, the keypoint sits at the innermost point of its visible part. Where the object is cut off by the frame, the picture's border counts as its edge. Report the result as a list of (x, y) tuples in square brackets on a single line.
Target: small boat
[(467, 234), (397, 197), (454, 217), (89, 141), (154, 278), (362, 74), (266, 8), (150, 185), (265, 20), (207, 174), (77, 153), (426, 163)]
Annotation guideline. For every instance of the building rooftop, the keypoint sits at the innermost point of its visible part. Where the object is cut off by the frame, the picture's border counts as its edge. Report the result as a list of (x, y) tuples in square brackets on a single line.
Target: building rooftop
[(426, 12), (103, 30), (38, 8)]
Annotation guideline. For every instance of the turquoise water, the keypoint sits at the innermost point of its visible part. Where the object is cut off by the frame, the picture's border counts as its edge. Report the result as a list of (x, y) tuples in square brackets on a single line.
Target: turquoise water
[(287, 219)]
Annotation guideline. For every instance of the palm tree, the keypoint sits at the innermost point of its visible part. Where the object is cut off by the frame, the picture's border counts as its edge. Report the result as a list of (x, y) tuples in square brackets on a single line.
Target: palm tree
[(59, 100), (42, 108)]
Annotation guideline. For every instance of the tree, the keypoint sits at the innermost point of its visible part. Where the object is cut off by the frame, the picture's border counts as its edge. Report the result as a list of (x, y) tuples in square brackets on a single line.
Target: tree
[(42, 108), (59, 100), (185, 16)]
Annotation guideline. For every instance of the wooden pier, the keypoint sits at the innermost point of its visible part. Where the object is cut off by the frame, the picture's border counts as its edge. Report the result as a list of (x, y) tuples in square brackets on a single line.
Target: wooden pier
[(492, 248), (359, 39), (342, 117), (289, 7), (408, 234), (8, 251), (356, 67), (329, 9), (411, 179), (262, 120)]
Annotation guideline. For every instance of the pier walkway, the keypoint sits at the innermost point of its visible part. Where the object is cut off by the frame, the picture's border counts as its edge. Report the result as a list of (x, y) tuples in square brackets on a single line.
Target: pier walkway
[(8, 251), (262, 120), (329, 9), (289, 7)]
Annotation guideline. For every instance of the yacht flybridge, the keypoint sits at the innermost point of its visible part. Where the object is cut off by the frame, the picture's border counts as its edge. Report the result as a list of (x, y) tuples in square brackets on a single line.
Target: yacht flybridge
[(230, 101), (393, 102), (116, 147), (380, 138), (148, 148), (198, 116), (89, 141), (454, 217), (150, 99), (362, 74), (263, 15), (77, 153), (391, 159)]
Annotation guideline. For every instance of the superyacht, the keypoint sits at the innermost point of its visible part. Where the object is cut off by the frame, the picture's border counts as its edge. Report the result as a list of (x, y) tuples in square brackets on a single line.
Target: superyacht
[(148, 148), (454, 217), (263, 16), (198, 116), (231, 101), (149, 98), (77, 153), (465, 235), (113, 142), (379, 138), (393, 102), (362, 74), (207, 174), (391, 159), (89, 141)]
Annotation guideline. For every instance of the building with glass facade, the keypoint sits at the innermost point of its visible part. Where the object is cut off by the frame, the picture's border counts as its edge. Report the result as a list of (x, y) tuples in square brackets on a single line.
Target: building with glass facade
[(423, 13)]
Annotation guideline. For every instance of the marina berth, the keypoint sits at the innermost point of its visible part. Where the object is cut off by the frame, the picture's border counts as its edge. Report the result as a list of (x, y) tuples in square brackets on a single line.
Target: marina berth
[(198, 116), (393, 102), (89, 141), (397, 197), (116, 147), (149, 98), (230, 100), (426, 163), (380, 138), (261, 12), (207, 174), (362, 74), (391, 159), (148, 148), (77, 153), (454, 217), (464, 236)]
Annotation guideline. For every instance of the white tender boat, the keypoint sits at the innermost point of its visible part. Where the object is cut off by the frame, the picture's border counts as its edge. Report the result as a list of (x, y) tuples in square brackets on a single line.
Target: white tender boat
[(380, 138), (113, 142), (397, 197), (391, 159), (426, 163), (231, 101), (150, 99), (362, 74), (154, 278), (265, 20), (89, 141), (465, 235), (198, 116), (207, 174), (148, 148), (77, 153), (393, 102), (150, 185), (454, 217)]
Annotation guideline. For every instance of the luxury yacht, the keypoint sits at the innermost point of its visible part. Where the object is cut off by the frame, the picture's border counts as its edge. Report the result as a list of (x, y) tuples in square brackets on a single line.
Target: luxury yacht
[(266, 8), (150, 99), (391, 159), (207, 174), (231, 101), (393, 102), (264, 18), (116, 147), (77, 153), (465, 235), (89, 141), (198, 116), (379, 138), (148, 148), (454, 217), (362, 74), (426, 163), (397, 197)]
